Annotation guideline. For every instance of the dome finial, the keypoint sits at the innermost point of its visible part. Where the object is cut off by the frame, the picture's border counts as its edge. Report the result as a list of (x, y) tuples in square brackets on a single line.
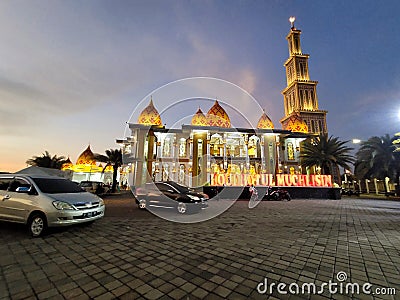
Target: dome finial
[(291, 20)]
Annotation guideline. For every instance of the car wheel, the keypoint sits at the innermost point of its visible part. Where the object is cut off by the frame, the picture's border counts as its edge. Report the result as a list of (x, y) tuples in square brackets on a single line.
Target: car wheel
[(142, 204), (181, 207), (37, 224)]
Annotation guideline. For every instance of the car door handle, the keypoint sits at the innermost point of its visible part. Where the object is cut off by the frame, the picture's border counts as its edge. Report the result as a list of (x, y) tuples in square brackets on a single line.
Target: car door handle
[(6, 197)]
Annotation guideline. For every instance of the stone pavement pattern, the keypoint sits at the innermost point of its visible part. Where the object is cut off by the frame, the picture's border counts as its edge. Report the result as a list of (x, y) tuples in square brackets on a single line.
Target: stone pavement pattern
[(131, 254)]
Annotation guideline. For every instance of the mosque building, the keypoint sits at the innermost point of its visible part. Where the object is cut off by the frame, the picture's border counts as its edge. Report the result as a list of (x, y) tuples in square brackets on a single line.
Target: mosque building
[(87, 168), (210, 151)]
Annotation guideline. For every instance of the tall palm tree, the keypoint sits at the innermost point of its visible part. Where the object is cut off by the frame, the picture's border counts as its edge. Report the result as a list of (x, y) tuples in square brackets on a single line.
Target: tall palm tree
[(47, 161), (376, 158), (326, 153), (112, 158)]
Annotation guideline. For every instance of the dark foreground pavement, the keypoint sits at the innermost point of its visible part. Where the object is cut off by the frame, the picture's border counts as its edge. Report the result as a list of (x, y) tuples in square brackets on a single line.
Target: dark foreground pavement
[(131, 254)]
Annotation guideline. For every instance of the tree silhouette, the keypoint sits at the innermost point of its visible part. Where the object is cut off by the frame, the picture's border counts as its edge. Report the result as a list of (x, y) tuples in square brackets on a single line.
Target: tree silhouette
[(112, 158), (47, 161), (376, 158), (326, 153)]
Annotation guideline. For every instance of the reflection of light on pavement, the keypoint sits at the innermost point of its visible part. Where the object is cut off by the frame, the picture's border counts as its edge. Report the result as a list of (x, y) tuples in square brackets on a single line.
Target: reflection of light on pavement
[(215, 207)]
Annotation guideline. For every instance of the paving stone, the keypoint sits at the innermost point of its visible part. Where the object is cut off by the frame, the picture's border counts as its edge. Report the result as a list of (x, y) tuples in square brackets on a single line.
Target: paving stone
[(225, 257)]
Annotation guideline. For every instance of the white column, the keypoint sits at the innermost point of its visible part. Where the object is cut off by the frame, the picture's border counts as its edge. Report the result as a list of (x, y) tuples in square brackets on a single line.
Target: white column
[(376, 186), (387, 184)]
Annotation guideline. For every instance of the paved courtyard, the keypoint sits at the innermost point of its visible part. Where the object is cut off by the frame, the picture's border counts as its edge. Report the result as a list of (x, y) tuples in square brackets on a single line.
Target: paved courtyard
[(242, 254)]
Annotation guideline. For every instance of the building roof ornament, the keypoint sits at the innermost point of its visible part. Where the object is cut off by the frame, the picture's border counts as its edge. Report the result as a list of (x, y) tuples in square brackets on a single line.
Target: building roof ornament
[(150, 116), (218, 117)]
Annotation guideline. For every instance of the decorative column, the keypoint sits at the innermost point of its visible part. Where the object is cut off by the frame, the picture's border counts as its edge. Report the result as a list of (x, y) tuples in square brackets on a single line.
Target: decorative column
[(387, 184), (262, 142), (366, 184)]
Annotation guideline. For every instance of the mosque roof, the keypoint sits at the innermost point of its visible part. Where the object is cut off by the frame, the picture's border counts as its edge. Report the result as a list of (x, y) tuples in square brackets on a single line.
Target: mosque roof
[(218, 117), (150, 116), (199, 119), (67, 165), (86, 157), (265, 122)]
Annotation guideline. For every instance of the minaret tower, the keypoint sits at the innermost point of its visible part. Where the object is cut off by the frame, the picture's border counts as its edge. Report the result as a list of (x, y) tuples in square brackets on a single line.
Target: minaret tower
[(300, 95)]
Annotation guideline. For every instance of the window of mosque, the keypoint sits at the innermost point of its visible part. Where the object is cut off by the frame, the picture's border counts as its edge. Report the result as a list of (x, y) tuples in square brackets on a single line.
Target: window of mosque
[(165, 172), (321, 128), (199, 148), (313, 126), (182, 147), (146, 147), (253, 146), (181, 177), (167, 147), (290, 151)]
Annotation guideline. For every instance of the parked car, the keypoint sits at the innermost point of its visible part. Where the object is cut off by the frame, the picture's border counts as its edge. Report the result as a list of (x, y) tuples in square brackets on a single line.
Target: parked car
[(95, 187), (349, 192), (169, 194), (41, 202), (277, 194)]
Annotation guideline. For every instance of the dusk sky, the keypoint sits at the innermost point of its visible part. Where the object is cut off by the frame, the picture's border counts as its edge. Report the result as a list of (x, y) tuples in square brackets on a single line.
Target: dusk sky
[(72, 72)]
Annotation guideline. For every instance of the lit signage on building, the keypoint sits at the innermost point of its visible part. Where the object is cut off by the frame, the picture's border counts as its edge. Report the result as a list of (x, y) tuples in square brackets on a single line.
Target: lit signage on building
[(269, 180)]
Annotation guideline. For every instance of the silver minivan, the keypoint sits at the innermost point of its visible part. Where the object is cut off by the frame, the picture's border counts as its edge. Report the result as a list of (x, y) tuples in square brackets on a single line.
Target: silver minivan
[(43, 201)]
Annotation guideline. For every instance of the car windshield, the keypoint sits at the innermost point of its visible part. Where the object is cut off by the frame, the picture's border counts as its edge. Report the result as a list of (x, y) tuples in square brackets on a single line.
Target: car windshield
[(57, 186)]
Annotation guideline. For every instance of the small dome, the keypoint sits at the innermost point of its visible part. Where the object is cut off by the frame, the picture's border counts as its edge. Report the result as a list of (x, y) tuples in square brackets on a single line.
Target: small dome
[(199, 119), (86, 158), (150, 116), (217, 116), (265, 122), (67, 165), (296, 124)]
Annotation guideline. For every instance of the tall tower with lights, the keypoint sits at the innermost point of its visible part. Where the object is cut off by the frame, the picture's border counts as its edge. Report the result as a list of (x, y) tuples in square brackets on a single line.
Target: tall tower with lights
[(300, 94)]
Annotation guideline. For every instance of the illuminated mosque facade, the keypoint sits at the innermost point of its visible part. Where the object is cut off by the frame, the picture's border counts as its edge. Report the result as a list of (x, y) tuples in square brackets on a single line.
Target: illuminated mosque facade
[(210, 151), (87, 168)]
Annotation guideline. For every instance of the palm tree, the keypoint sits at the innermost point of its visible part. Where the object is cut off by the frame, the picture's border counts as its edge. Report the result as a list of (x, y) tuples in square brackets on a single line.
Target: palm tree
[(112, 158), (326, 153), (376, 158), (47, 161)]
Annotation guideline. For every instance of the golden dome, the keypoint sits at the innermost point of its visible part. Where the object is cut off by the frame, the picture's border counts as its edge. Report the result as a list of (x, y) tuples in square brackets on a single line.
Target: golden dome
[(199, 119), (217, 116), (265, 122), (296, 124), (150, 116), (67, 165), (86, 158)]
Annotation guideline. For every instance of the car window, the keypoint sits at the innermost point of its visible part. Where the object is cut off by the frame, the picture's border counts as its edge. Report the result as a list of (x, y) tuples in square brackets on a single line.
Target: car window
[(180, 188), (57, 185), (4, 183), (18, 182), (164, 187)]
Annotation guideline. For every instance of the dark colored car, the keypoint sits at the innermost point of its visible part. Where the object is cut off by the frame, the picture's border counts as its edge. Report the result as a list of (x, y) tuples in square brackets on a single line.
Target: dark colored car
[(95, 187), (170, 195)]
